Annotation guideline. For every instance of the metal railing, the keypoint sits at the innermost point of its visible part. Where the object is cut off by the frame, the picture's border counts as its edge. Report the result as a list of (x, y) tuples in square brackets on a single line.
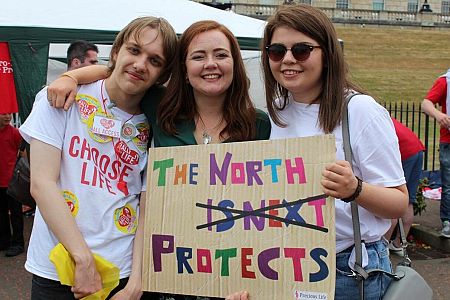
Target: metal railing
[(422, 125)]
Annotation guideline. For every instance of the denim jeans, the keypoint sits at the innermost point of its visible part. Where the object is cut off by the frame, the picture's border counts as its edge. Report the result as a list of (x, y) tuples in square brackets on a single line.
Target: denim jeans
[(444, 160), (375, 285), (46, 289), (412, 167)]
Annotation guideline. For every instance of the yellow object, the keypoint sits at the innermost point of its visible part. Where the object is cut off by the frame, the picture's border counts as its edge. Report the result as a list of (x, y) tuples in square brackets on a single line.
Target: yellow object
[(65, 267)]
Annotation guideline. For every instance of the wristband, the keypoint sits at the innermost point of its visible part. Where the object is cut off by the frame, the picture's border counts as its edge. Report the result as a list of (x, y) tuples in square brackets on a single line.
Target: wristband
[(356, 193), (70, 76)]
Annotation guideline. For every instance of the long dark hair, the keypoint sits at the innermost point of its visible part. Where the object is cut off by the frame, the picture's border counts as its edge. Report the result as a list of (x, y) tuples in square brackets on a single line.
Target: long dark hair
[(316, 25), (179, 102)]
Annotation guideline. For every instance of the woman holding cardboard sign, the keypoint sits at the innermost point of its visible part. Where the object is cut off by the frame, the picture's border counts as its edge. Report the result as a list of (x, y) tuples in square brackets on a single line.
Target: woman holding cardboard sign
[(305, 73), (207, 98)]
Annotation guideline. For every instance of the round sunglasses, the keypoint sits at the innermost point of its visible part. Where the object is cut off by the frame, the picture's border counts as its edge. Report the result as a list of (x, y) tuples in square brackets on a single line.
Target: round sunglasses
[(300, 51)]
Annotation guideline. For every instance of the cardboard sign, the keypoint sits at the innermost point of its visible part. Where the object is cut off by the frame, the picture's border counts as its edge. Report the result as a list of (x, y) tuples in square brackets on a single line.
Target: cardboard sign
[(252, 216)]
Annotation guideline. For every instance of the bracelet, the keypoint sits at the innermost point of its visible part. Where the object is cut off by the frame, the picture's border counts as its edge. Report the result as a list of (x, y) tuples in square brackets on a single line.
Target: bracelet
[(356, 193), (70, 76)]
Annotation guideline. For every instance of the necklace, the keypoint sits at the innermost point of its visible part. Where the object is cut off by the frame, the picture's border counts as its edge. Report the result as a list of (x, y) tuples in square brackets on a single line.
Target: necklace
[(206, 137)]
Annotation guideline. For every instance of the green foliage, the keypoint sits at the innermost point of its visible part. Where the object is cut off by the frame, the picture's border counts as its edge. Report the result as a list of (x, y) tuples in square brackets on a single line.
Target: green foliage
[(420, 204)]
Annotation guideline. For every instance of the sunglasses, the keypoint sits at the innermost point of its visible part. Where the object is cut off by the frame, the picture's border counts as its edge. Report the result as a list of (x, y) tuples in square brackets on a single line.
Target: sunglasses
[(300, 51)]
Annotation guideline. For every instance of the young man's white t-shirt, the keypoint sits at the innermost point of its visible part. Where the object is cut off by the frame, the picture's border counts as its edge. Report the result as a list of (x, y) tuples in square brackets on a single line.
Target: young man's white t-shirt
[(376, 156), (101, 177)]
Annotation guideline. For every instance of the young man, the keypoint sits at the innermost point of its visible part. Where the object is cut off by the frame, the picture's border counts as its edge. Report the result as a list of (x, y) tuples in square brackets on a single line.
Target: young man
[(87, 168), (80, 54), (440, 93)]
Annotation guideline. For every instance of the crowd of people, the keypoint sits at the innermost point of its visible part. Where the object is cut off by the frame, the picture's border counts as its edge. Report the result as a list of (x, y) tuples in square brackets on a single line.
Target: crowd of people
[(207, 101)]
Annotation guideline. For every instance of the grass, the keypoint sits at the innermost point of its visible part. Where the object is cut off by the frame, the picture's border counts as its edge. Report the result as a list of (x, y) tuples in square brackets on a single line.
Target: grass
[(395, 64)]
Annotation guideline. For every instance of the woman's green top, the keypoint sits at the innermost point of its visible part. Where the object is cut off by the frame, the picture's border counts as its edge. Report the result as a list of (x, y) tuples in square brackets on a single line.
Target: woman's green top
[(185, 129)]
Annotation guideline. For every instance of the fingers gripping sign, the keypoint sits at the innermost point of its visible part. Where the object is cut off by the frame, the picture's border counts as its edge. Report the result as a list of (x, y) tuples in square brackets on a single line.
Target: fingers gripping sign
[(238, 296), (338, 180)]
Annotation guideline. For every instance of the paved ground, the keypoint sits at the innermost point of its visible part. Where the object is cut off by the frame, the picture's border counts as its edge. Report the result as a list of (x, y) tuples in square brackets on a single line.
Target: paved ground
[(15, 282), (430, 255)]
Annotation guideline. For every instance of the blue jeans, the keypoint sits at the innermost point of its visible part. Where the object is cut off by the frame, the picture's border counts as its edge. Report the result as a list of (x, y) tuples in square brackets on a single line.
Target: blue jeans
[(412, 167), (444, 159), (46, 289), (375, 285)]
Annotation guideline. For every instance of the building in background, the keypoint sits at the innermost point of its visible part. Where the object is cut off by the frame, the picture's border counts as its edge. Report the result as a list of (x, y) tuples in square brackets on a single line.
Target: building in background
[(426, 13)]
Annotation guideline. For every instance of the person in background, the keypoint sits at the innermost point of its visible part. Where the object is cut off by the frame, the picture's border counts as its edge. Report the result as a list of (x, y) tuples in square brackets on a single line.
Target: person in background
[(411, 151), (306, 87), (81, 54), (440, 94), (207, 98), (10, 209), (86, 187)]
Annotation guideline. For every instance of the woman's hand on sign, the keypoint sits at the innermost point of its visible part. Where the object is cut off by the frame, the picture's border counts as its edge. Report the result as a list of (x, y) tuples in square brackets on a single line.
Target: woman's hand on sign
[(238, 296), (338, 180)]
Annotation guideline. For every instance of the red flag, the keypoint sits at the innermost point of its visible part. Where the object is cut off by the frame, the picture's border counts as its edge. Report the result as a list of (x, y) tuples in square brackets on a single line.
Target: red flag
[(8, 100)]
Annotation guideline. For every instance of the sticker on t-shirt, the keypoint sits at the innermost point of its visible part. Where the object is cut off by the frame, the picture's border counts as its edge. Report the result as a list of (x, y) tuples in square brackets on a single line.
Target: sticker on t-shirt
[(125, 219), (88, 106), (129, 131), (127, 155), (72, 202), (97, 137), (108, 126), (142, 137)]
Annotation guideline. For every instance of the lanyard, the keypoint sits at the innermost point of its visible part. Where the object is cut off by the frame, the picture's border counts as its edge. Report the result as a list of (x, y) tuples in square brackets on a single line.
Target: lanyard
[(121, 184)]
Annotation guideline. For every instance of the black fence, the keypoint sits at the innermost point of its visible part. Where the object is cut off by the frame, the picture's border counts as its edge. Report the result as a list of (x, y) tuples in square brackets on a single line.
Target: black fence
[(422, 125)]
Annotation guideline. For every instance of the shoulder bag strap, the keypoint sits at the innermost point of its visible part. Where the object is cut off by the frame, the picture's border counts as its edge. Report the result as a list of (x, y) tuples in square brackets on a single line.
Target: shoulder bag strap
[(406, 261), (361, 274)]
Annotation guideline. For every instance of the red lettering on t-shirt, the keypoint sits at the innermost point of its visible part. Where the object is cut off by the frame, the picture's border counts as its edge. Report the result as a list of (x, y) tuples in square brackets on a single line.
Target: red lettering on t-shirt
[(104, 168)]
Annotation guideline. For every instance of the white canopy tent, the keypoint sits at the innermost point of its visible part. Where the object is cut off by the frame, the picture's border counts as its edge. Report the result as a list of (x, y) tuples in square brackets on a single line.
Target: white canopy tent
[(31, 26)]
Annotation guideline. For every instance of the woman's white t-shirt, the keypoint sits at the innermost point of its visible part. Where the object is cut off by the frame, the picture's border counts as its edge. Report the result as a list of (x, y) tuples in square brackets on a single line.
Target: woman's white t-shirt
[(376, 156)]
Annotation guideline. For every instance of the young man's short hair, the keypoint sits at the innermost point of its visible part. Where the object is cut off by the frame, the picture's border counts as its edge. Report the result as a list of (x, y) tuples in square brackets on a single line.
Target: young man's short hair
[(78, 49)]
